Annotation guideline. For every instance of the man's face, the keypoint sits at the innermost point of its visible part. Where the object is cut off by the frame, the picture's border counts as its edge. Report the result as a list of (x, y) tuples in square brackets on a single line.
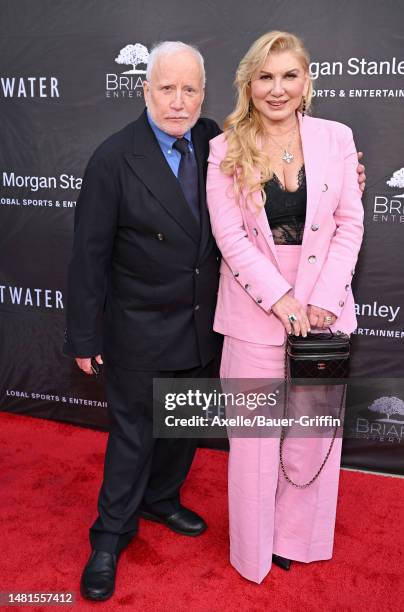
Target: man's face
[(175, 92)]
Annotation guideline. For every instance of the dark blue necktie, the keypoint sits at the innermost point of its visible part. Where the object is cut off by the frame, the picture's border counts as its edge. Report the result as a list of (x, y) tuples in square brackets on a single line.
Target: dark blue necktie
[(188, 176)]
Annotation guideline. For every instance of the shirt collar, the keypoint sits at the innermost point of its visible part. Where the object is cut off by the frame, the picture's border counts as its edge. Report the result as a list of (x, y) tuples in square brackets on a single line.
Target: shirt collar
[(165, 140)]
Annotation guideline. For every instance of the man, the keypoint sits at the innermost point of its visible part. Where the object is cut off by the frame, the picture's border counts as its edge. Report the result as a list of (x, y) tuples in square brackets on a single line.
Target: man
[(144, 254), (145, 262)]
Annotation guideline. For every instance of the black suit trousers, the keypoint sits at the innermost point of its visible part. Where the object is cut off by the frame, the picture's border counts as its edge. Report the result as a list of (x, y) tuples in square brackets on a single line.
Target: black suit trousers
[(139, 471)]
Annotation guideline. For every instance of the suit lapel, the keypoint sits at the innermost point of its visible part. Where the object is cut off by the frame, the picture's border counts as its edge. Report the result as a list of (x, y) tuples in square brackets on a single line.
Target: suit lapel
[(261, 219), (150, 166), (315, 143), (263, 224)]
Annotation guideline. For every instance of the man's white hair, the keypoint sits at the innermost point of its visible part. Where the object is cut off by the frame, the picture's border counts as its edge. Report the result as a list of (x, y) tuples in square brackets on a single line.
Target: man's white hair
[(169, 47)]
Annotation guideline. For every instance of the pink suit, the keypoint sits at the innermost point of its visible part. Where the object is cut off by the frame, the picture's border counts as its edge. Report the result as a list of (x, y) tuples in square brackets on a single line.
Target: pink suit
[(266, 513)]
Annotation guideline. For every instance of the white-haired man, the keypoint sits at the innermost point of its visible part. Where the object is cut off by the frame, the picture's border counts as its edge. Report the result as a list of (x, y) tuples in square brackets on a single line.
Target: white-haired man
[(144, 258)]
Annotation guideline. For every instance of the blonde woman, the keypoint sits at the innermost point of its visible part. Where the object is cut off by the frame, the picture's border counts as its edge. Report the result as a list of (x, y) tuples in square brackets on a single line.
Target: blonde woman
[(286, 212)]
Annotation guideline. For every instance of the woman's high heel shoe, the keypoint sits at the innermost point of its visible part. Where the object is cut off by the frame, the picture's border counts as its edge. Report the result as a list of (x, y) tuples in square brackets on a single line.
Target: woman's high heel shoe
[(281, 562)]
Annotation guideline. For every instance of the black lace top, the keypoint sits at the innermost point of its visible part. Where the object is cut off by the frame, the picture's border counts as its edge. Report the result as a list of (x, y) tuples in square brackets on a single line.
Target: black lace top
[(286, 210)]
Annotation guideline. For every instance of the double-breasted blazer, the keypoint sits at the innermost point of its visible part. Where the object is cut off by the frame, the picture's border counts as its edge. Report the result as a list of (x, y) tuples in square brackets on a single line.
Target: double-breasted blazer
[(250, 278), (143, 277)]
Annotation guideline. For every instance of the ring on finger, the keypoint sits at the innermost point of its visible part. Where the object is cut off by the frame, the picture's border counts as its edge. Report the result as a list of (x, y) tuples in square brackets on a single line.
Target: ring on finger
[(292, 317)]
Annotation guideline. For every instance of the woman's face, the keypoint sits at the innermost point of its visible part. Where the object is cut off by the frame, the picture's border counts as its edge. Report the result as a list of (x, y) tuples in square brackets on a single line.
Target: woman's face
[(277, 88)]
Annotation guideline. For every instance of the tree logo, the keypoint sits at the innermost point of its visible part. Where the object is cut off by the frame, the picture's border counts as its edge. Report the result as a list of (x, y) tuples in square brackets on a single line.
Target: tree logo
[(389, 406), (133, 55), (387, 207), (397, 180)]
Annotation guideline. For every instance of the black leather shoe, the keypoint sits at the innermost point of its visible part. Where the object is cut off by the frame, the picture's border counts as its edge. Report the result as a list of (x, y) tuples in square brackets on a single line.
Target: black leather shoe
[(281, 562), (98, 579), (184, 521)]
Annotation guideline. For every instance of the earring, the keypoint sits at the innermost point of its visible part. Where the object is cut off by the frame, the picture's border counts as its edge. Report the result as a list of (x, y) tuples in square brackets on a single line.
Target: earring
[(303, 106), (249, 109)]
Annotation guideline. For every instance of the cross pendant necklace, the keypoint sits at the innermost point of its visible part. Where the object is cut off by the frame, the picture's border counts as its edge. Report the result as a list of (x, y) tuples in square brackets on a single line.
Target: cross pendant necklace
[(287, 156)]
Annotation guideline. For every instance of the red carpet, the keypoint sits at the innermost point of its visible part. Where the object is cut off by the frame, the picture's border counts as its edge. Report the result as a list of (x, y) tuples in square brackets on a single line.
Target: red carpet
[(49, 479)]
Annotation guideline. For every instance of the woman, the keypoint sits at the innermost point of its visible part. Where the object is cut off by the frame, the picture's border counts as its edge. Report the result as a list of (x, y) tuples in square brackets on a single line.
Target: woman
[(286, 212)]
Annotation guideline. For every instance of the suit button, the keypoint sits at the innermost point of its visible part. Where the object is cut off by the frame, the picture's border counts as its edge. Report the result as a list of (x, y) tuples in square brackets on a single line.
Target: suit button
[(255, 231), (236, 274), (315, 227), (341, 303), (196, 307), (247, 286), (160, 236), (259, 300), (346, 287), (312, 259), (325, 187), (196, 270)]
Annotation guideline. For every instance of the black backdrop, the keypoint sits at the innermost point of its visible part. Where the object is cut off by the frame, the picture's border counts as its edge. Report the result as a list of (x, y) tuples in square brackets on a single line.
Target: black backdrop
[(62, 92)]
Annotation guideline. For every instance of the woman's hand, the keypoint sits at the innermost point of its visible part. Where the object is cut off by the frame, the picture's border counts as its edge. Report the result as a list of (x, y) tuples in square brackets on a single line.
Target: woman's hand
[(361, 173), (84, 363), (318, 316), (287, 305)]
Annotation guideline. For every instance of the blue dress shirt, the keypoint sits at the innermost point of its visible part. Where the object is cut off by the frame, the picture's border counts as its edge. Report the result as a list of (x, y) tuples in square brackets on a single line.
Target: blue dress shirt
[(166, 142)]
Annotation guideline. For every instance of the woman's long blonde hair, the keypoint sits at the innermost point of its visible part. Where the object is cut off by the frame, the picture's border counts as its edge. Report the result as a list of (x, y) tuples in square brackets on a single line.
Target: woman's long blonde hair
[(243, 127)]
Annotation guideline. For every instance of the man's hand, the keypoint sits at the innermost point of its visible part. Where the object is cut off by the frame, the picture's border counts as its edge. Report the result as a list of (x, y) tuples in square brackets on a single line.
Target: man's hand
[(317, 316), (84, 363), (361, 173), (288, 305)]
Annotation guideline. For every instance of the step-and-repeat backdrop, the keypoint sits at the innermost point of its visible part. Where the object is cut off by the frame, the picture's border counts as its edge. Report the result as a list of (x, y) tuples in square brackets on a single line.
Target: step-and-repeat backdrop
[(71, 73)]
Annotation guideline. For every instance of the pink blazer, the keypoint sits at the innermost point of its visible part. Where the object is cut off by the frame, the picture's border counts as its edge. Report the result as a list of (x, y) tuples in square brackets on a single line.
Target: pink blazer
[(250, 279)]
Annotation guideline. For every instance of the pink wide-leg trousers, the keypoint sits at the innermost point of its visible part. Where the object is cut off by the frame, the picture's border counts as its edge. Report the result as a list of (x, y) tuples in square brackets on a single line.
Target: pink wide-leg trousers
[(267, 514)]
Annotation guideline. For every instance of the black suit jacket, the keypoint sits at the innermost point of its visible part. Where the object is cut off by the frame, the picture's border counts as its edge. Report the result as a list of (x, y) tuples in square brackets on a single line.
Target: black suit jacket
[(143, 278)]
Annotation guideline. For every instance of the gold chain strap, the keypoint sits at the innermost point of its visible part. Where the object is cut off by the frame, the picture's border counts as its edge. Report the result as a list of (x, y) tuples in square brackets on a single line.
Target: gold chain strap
[(307, 484)]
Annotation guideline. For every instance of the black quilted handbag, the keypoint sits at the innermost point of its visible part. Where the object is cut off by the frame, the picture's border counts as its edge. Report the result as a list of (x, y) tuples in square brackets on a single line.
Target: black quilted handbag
[(320, 355)]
